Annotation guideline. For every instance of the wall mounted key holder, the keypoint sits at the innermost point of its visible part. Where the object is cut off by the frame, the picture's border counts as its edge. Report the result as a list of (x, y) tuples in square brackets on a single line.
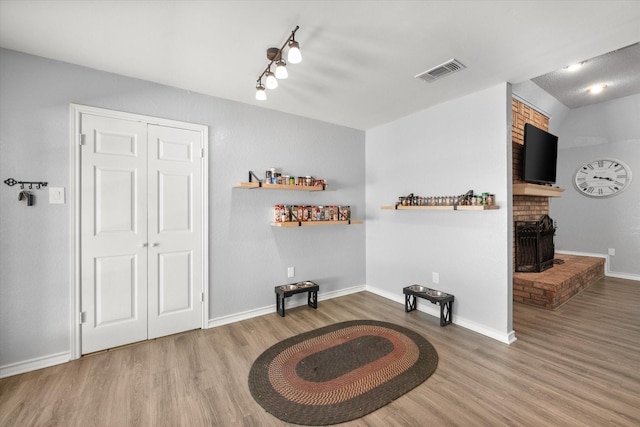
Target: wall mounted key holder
[(25, 194), (38, 184)]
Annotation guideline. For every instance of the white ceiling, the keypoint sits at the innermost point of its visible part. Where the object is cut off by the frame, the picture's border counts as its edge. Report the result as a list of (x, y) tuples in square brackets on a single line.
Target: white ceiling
[(617, 71), (359, 57)]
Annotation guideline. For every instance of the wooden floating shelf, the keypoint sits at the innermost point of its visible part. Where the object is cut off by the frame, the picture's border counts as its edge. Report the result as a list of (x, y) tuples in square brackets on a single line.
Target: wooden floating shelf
[(252, 185), (313, 223), (440, 208), (528, 189)]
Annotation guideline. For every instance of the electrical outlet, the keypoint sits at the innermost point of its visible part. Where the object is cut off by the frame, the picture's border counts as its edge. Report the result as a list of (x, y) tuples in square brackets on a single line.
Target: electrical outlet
[(435, 277), (612, 251), (291, 272)]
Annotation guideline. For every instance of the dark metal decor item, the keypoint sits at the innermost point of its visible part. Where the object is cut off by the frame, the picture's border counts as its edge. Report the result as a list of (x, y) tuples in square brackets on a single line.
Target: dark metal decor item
[(444, 300), (534, 245), (340, 372), (25, 186), (285, 291), (38, 184)]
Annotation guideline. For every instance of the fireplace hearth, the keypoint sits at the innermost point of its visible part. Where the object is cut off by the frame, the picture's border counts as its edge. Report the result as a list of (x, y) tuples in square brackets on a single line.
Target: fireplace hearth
[(534, 245)]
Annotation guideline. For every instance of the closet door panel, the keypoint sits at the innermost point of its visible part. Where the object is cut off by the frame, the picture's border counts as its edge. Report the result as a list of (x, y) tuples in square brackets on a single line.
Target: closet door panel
[(175, 253), (113, 232)]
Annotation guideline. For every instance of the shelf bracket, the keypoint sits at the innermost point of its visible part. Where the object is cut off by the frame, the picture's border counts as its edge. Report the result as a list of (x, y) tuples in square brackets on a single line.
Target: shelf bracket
[(253, 175)]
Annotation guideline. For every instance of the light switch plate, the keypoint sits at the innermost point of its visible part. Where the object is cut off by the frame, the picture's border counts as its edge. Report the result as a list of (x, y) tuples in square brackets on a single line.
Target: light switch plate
[(56, 195)]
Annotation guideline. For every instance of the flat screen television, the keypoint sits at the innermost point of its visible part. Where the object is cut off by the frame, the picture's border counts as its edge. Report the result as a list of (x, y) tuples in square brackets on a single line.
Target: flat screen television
[(539, 156)]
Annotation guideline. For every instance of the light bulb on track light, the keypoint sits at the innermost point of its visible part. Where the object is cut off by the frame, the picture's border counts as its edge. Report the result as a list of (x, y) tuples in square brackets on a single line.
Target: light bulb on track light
[(271, 80), (261, 94), (574, 67), (281, 70), (294, 56)]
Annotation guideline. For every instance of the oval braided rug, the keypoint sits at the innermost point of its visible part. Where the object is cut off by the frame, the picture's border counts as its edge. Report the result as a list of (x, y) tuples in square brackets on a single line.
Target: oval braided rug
[(340, 372)]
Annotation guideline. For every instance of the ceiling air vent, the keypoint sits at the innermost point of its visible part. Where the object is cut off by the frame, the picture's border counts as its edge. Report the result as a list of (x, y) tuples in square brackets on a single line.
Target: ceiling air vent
[(441, 70)]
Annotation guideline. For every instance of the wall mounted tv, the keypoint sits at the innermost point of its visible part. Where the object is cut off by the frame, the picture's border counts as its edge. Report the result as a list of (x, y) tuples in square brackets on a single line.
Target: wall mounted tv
[(539, 156)]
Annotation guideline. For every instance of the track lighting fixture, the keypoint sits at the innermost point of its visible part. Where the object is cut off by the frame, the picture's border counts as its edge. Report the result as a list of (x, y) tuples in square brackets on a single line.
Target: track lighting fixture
[(275, 55)]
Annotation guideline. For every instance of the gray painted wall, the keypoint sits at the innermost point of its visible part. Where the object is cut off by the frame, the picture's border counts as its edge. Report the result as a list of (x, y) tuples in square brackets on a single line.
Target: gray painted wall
[(448, 149), (247, 256), (608, 129)]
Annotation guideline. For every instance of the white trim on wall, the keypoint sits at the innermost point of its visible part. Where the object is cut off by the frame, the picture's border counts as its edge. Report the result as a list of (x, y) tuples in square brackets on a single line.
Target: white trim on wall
[(607, 264), (291, 302), (434, 310), (531, 104), (76, 110), (34, 364)]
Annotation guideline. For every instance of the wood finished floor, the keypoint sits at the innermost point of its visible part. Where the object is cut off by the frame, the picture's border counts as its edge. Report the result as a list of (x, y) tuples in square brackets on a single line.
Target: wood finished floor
[(577, 366)]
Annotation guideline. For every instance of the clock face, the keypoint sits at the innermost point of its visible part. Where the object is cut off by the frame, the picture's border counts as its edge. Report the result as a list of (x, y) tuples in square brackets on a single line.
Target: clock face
[(602, 178)]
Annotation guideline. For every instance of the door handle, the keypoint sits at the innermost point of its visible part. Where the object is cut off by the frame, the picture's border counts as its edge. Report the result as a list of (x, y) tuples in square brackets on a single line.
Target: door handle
[(144, 245), (153, 245)]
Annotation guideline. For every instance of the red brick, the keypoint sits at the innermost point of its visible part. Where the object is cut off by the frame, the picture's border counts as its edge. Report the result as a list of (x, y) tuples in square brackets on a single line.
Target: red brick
[(555, 286)]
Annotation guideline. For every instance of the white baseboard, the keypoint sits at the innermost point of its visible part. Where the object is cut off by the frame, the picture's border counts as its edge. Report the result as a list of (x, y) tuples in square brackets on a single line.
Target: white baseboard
[(607, 269), (505, 338), (34, 364), (291, 302), (434, 310), (627, 276)]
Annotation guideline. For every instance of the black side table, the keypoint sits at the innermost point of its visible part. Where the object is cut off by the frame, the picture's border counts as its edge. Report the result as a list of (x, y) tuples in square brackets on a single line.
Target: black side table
[(285, 291), (413, 292)]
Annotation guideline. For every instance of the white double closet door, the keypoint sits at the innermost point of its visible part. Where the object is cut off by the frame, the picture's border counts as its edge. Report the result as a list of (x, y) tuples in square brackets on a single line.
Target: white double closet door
[(141, 231)]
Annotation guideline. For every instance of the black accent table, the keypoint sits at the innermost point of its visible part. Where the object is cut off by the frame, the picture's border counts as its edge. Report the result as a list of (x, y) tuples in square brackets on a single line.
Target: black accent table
[(285, 291), (413, 292)]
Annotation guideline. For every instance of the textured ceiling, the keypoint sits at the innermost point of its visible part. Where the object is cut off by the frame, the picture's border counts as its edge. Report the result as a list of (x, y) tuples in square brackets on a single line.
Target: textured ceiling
[(359, 57), (618, 71)]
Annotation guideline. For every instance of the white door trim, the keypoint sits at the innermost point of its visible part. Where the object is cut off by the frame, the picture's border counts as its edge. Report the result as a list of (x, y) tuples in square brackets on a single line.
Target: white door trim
[(76, 110)]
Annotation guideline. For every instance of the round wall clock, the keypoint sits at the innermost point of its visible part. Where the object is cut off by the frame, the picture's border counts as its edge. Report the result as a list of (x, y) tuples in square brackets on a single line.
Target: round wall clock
[(602, 177)]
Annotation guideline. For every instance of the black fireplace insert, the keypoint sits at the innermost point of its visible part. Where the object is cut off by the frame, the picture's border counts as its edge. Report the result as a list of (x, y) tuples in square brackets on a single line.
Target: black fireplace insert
[(534, 245)]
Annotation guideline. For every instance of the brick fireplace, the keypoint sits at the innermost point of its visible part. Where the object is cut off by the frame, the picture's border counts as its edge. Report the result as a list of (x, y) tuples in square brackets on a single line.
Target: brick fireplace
[(552, 287)]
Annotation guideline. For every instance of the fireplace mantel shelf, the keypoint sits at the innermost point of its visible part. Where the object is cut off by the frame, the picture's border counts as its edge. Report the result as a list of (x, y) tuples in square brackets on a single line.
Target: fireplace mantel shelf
[(528, 189)]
